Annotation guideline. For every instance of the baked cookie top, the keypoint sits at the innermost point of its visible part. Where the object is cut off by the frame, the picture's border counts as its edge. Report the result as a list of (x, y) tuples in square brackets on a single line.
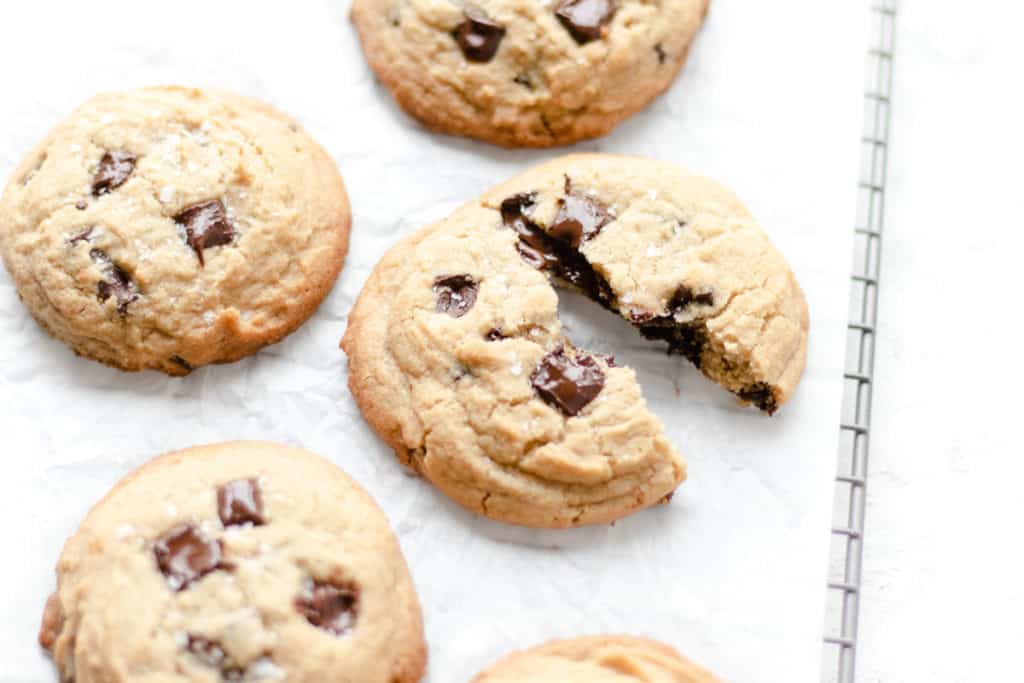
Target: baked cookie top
[(242, 561), (526, 72), (458, 360), (597, 659), (169, 228)]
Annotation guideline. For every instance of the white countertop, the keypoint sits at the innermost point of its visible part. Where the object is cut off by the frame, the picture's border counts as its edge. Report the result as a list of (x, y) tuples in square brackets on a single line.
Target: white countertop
[(943, 553)]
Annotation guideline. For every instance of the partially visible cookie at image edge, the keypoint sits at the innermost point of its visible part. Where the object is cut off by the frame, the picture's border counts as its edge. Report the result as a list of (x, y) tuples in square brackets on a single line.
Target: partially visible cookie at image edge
[(168, 228), (239, 561), (597, 659), (526, 74)]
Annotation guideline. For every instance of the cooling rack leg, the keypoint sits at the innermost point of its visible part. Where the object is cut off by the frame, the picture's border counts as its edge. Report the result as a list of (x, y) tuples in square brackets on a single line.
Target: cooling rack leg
[(855, 424)]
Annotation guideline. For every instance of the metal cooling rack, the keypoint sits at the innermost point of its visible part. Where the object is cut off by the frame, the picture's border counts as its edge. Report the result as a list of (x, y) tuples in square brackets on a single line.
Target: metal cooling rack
[(844, 586)]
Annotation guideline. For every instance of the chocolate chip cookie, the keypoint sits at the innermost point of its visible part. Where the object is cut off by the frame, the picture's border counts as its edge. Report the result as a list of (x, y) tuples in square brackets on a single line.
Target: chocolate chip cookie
[(526, 74), (168, 228), (458, 360), (241, 561), (597, 659)]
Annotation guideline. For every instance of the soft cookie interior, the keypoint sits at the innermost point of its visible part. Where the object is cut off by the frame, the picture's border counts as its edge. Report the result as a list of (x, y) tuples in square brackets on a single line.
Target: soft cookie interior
[(675, 255)]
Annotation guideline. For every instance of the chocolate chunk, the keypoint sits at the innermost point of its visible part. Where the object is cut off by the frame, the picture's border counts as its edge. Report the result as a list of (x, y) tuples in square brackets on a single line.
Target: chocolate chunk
[(240, 502), (580, 217), (685, 339), (456, 294), (181, 362), (84, 236), (330, 607), (568, 383), (761, 395), (114, 169), (544, 252), (660, 51), (516, 209), (184, 554), (81, 204), (524, 80), (495, 334), (684, 297), (478, 36), (206, 225), (116, 282), (211, 653), (638, 316), (208, 651), (586, 20)]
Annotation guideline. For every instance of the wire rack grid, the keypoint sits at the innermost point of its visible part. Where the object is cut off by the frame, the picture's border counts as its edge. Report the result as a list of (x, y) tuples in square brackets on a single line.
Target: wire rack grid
[(844, 586)]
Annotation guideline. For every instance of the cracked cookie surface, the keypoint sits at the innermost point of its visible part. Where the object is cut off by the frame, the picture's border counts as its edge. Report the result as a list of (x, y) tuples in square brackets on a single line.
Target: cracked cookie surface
[(526, 72), (169, 228), (241, 561), (458, 360), (597, 659)]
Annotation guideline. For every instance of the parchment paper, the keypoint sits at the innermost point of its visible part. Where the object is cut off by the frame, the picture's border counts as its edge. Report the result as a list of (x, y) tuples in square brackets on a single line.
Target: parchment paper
[(732, 572)]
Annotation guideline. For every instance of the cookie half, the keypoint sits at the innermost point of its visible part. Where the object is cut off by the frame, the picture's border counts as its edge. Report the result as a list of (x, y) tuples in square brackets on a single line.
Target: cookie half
[(458, 360), (597, 659), (675, 254), (168, 228), (242, 561), (528, 73)]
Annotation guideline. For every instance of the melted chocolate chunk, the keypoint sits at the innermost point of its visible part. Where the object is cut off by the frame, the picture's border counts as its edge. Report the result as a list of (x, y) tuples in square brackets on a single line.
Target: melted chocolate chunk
[(544, 252), (115, 283), (495, 334), (684, 297), (184, 554), (586, 20), (206, 225), (580, 217), (660, 51), (685, 339), (516, 209), (330, 607), (114, 169), (478, 36), (456, 294), (240, 502), (761, 395), (567, 383), (181, 362), (638, 316)]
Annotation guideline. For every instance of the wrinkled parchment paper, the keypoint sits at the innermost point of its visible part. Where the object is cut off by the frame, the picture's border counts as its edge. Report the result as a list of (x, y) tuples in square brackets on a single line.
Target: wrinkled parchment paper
[(732, 572)]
